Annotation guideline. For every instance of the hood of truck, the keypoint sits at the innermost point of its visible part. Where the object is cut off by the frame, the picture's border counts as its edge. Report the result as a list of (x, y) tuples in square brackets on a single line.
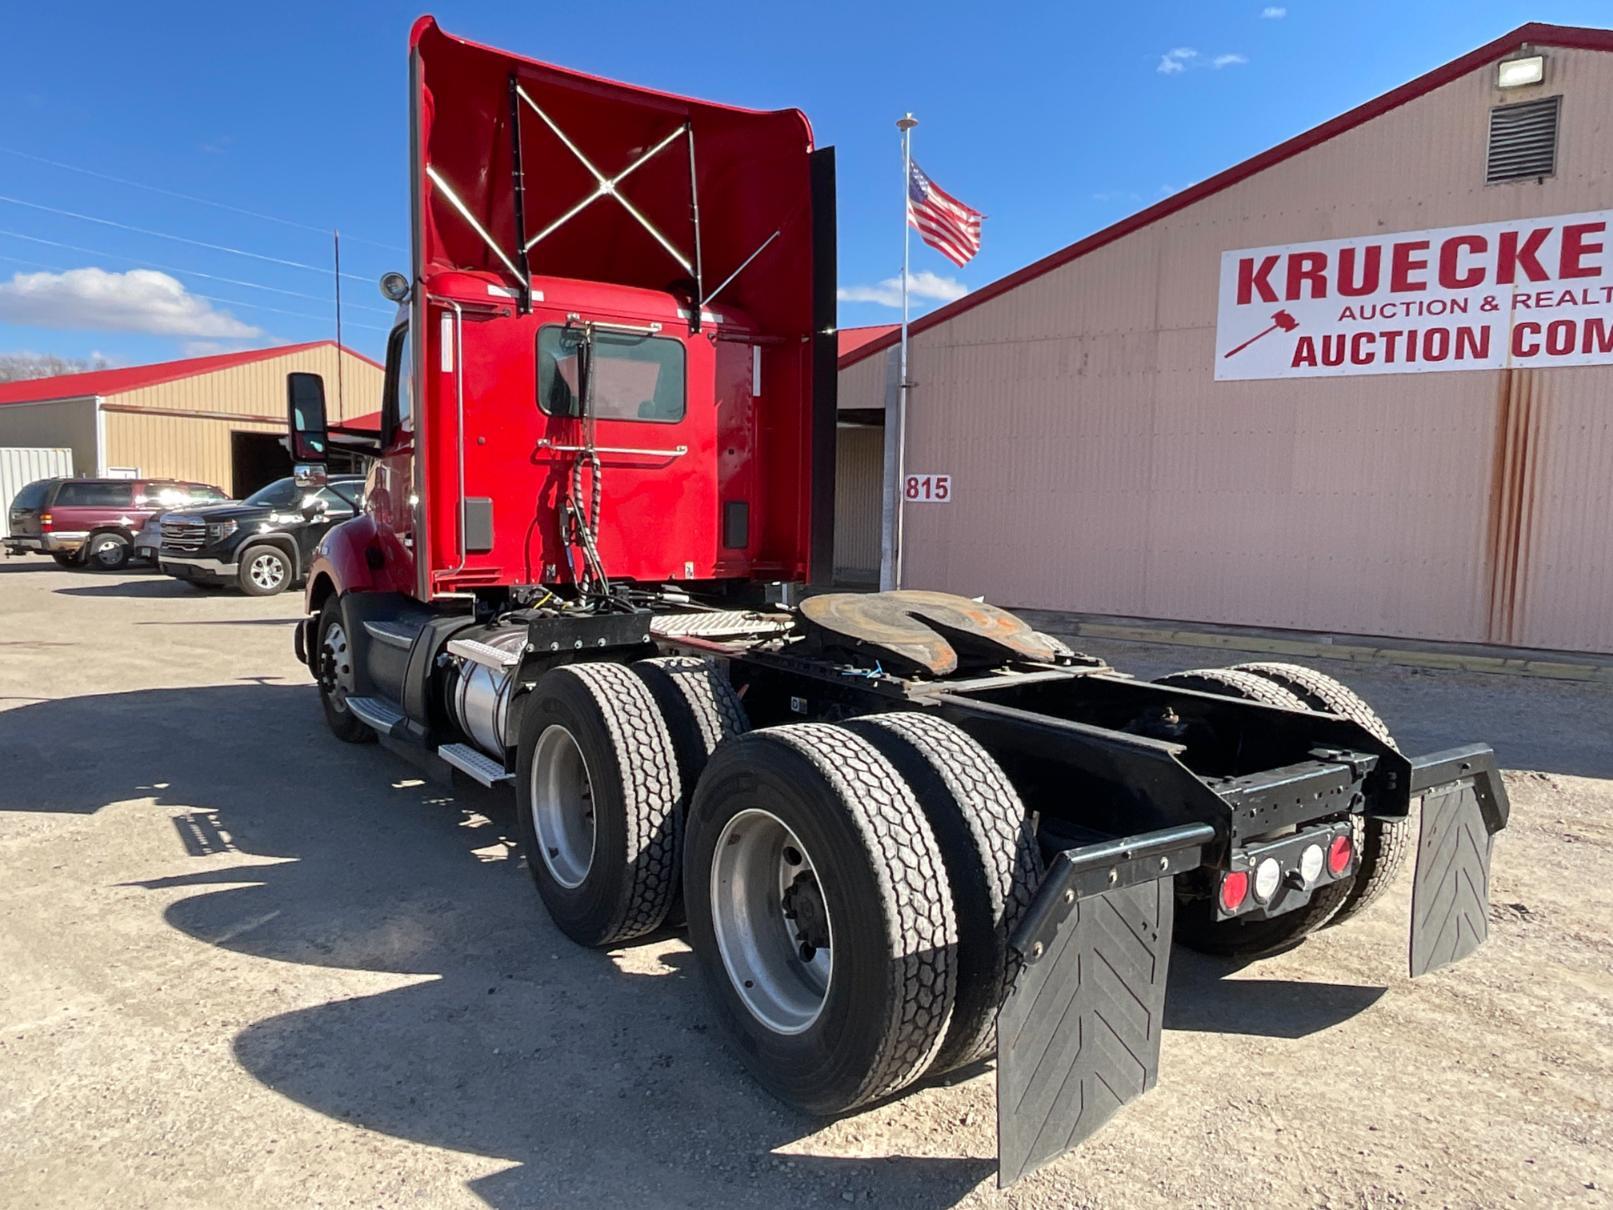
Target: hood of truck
[(477, 110)]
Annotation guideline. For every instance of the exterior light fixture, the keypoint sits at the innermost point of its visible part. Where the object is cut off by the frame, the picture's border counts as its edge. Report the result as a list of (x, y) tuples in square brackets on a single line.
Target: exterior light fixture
[(1515, 73)]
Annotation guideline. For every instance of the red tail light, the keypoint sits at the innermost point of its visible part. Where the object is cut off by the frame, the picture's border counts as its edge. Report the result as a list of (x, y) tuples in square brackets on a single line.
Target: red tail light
[(44, 521), (1339, 855), (1234, 890)]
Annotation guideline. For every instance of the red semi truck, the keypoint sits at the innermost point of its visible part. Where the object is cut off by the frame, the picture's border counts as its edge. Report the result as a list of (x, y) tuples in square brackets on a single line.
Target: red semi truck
[(907, 831)]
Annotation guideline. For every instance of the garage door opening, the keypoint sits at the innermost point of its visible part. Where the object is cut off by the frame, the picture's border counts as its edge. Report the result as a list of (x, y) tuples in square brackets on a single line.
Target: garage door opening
[(256, 459)]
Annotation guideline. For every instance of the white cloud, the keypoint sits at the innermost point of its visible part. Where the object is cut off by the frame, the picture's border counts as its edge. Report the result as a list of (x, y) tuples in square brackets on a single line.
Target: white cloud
[(211, 348), (1274, 12), (1176, 60), (141, 300), (922, 286), (1233, 60)]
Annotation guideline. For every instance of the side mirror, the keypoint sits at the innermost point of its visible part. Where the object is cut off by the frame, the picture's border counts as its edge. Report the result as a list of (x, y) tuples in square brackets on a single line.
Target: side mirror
[(305, 413)]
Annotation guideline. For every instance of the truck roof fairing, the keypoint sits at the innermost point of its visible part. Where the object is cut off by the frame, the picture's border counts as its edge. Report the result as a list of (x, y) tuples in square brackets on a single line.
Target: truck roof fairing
[(616, 183)]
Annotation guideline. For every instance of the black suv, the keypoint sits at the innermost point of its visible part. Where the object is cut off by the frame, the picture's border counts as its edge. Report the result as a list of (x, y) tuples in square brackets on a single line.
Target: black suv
[(263, 544)]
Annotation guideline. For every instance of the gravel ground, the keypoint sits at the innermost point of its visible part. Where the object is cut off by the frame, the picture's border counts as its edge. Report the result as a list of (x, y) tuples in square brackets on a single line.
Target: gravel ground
[(246, 963)]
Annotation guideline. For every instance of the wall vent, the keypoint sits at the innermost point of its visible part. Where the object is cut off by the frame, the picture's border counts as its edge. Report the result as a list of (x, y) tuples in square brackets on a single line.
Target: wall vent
[(1523, 141)]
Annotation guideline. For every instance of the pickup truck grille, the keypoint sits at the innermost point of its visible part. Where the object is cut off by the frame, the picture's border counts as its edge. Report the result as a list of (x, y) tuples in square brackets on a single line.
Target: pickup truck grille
[(183, 536)]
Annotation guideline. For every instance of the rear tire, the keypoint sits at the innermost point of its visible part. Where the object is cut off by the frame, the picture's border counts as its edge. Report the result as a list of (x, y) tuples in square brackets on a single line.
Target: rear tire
[(992, 862), (1197, 925), (265, 571), (107, 552), (868, 879), (597, 797), (335, 676), (1380, 844), (701, 710)]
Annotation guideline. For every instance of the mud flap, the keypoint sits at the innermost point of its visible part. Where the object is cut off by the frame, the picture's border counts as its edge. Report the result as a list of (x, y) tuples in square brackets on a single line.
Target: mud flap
[(1464, 806), (1078, 1035)]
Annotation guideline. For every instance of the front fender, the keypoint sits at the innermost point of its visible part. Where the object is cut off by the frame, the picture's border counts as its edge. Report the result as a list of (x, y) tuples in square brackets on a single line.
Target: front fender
[(358, 555)]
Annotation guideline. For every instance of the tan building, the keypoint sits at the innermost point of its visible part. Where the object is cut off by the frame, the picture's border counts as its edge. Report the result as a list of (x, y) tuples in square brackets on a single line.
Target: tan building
[(1361, 383), (218, 420)]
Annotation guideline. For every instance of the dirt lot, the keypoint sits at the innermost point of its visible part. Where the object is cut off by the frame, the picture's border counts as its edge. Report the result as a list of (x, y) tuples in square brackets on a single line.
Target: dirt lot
[(244, 963)]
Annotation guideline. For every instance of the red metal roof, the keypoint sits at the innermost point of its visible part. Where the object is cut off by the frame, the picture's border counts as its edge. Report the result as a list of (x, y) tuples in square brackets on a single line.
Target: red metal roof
[(1570, 36), (852, 339), (128, 378)]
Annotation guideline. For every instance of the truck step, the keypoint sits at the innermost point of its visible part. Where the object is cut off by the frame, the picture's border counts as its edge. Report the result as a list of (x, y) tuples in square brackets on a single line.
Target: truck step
[(484, 654), (376, 712), (476, 765)]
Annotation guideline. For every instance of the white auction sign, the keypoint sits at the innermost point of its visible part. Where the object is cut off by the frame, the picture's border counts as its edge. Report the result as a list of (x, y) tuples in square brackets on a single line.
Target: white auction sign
[(1527, 292)]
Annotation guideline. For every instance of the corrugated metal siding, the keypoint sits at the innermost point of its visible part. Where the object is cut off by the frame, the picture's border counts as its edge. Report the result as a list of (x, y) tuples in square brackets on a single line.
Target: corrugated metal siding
[(1098, 467), (198, 447), (68, 423), (22, 466), (858, 465)]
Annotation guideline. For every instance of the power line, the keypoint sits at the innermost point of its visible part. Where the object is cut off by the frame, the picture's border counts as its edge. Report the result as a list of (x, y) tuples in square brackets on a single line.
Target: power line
[(152, 264), (231, 302), (190, 197), (182, 239)]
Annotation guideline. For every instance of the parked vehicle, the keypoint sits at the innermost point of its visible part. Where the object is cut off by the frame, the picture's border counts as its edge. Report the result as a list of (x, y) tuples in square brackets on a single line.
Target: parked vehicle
[(907, 830), (93, 521), (21, 465), (262, 544)]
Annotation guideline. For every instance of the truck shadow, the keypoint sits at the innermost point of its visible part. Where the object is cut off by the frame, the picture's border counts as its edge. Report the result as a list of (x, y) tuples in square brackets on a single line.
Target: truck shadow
[(591, 1078), (598, 1078), (153, 588)]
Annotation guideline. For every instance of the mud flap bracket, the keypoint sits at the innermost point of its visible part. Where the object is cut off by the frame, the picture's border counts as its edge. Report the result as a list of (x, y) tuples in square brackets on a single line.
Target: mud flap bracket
[(1078, 1034), (1464, 805)]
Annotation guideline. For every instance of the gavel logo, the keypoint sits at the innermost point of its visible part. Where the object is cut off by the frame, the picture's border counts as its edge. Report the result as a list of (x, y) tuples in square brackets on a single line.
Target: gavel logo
[(1282, 319)]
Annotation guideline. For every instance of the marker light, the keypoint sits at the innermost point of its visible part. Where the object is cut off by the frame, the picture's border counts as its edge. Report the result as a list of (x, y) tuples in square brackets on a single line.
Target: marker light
[(1268, 877), (1310, 863), (1339, 855), (1234, 890), (1515, 73)]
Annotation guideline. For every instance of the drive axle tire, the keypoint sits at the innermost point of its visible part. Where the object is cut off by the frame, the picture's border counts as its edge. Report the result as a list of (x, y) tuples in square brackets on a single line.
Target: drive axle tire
[(701, 710), (992, 862), (334, 672), (265, 571), (597, 796), (1197, 925), (1380, 844), (820, 912)]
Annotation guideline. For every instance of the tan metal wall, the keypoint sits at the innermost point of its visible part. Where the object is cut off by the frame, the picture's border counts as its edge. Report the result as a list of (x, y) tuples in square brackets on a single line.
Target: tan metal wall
[(1098, 467), (195, 444), (859, 458), (64, 422)]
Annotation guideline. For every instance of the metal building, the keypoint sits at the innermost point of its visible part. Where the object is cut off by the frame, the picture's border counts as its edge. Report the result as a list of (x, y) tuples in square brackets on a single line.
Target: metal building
[(1359, 383), (218, 420)]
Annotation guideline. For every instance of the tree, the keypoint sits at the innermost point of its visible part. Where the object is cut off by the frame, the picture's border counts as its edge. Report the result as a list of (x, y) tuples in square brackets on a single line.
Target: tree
[(17, 366)]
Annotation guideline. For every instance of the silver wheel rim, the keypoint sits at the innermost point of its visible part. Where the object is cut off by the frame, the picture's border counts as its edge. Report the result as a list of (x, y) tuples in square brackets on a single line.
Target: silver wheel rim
[(338, 665), (563, 807), (106, 551), (267, 571), (758, 860)]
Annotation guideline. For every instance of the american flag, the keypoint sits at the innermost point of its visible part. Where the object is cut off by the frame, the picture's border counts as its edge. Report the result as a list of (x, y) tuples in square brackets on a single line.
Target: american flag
[(941, 220)]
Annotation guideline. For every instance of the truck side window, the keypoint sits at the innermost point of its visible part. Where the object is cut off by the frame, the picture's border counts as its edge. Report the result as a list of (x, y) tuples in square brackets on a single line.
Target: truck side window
[(399, 401), (95, 495), (635, 377)]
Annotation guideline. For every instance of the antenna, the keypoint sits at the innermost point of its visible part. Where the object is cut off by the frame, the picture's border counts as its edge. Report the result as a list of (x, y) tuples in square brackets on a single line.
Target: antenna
[(336, 248)]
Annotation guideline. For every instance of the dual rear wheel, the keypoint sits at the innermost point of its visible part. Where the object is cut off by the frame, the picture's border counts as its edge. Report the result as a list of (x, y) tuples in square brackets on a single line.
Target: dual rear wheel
[(849, 889)]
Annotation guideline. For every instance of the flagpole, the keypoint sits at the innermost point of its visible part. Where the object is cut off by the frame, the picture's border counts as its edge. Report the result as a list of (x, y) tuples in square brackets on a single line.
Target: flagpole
[(896, 434)]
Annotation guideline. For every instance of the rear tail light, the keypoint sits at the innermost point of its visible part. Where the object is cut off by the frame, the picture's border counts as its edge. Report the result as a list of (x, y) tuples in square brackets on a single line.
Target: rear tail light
[(1310, 863), (44, 520), (1339, 855), (1268, 877), (1234, 890)]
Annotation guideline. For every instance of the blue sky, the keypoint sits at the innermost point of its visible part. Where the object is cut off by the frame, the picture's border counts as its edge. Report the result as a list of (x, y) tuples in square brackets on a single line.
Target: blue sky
[(1054, 119)]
